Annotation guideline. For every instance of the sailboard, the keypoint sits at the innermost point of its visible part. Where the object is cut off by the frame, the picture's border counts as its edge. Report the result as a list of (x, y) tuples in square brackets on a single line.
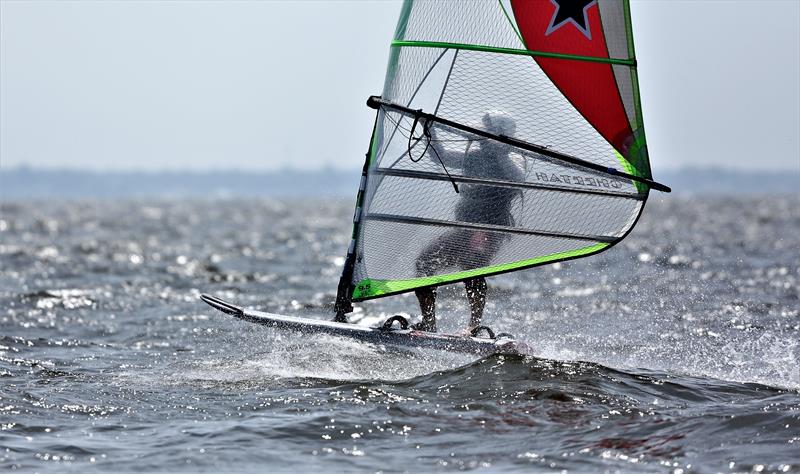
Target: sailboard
[(394, 331), (508, 135)]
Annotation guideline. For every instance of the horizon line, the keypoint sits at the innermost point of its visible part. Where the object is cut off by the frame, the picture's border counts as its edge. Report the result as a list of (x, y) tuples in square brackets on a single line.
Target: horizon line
[(333, 168)]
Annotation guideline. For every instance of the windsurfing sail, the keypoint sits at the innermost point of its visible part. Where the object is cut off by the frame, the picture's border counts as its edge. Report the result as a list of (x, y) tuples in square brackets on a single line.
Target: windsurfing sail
[(509, 134)]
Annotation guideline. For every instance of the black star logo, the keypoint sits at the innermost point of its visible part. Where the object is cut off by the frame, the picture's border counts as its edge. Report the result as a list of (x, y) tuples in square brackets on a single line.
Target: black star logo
[(571, 11)]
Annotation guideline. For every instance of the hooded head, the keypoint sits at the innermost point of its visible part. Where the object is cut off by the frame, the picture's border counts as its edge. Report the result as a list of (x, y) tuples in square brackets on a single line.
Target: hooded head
[(499, 123)]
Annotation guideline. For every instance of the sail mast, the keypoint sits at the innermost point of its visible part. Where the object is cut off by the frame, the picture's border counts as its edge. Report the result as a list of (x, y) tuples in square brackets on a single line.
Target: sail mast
[(343, 304)]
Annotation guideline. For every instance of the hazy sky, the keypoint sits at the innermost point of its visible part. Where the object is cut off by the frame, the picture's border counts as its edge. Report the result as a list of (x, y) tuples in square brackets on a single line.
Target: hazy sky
[(261, 85)]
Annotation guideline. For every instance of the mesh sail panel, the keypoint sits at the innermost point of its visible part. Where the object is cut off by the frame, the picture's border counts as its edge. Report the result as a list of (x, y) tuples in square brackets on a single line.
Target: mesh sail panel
[(514, 208), (603, 84), (449, 197)]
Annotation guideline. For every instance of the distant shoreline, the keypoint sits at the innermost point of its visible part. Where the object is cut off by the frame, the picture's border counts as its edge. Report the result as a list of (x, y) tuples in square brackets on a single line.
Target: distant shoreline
[(22, 183)]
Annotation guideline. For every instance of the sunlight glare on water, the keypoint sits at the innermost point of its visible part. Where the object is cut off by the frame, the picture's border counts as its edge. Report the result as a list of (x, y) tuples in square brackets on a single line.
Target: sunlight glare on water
[(675, 350)]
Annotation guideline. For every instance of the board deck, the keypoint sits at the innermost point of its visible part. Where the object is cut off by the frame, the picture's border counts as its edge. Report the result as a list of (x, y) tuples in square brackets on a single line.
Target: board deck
[(394, 335)]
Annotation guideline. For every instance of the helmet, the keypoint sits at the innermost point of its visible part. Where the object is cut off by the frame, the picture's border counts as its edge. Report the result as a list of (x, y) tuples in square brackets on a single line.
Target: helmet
[(499, 122)]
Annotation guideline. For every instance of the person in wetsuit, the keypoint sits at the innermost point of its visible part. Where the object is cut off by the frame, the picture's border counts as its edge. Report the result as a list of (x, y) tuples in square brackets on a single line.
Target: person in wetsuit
[(478, 204)]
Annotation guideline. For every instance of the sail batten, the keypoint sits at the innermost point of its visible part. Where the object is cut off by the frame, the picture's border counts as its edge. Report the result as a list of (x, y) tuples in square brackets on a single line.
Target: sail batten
[(513, 51), (508, 135), (478, 226), (494, 182)]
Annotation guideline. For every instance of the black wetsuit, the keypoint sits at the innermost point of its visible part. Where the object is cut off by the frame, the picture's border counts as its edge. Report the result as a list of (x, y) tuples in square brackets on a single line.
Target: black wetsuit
[(482, 204), (479, 204)]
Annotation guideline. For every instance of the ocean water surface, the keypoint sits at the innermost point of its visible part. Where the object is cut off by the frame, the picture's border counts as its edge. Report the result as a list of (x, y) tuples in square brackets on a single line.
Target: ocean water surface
[(677, 350)]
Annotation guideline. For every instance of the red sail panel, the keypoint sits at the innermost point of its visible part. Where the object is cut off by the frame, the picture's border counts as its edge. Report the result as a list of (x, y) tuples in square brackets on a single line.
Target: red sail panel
[(589, 86)]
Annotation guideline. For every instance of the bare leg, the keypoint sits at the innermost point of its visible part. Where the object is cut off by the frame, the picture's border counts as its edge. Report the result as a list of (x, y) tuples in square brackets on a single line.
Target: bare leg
[(427, 304), (476, 294)]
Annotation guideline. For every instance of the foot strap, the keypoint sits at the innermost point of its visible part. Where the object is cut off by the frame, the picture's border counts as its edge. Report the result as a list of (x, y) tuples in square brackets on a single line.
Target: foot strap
[(387, 325), (478, 329)]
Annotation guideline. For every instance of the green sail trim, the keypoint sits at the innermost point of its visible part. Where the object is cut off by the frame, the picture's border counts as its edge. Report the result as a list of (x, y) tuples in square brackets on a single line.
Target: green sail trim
[(640, 140), (399, 33), (370, 288), (629, 168), (511, 22), (519, 52)]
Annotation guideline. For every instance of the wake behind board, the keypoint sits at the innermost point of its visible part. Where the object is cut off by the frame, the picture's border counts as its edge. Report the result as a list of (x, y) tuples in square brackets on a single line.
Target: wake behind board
[(389, 333)]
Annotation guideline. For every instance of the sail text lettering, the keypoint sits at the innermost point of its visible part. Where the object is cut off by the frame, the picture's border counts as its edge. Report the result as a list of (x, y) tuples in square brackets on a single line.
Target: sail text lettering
[(579, 180)]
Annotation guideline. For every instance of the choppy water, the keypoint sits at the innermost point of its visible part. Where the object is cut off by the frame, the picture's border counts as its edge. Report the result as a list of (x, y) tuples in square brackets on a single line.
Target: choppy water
[(677, 349)]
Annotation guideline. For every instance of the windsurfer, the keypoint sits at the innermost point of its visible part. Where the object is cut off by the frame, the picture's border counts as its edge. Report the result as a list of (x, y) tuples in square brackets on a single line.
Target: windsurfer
[(478, 204)]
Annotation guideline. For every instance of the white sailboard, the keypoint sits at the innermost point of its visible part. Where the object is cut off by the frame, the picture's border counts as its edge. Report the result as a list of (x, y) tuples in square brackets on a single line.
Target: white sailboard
[(395, 331)]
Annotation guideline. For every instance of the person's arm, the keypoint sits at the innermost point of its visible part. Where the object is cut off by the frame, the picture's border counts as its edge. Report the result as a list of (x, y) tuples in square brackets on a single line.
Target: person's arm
[(515, 174), (519, 174), (450, 158)]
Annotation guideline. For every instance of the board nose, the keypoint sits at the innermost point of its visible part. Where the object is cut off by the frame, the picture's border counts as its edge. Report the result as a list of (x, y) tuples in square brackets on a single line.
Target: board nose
[(222, 305)]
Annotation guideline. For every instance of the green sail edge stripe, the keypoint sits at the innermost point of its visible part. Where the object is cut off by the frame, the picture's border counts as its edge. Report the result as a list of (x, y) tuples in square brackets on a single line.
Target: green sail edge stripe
[(400, 32), (626, 9), (373, 152), (628, 167), (370, 288), (402, 22), (519, 52), (510, 22), (637, 102)]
